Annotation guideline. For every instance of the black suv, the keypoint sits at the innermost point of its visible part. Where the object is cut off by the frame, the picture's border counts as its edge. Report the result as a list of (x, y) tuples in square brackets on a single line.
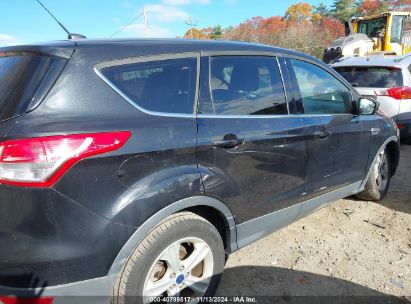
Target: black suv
[(130, 168)]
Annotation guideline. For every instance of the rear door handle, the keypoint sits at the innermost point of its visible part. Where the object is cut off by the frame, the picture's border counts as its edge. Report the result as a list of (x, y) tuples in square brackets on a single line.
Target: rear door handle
[(322, 133), (228, 143)]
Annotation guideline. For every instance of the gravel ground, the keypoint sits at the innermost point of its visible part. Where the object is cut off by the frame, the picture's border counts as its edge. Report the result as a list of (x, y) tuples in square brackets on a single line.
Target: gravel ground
[(350, 247)]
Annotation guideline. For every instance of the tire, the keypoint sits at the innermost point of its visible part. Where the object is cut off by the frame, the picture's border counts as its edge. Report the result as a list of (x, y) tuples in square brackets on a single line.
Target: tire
[(183, 256), (379, 180)]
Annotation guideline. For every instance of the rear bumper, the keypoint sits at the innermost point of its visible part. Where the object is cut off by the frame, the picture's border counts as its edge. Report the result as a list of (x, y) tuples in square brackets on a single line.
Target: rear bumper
[(403, 119), (403, 122), (405, 130), (47, 239)]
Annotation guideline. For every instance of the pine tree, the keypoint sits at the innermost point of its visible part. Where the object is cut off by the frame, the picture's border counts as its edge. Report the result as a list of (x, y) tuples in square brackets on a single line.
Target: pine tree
[(344, 9), (322, 10)]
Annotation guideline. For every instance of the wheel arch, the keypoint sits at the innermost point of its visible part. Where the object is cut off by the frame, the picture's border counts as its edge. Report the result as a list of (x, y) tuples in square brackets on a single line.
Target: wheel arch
[(204, 206)]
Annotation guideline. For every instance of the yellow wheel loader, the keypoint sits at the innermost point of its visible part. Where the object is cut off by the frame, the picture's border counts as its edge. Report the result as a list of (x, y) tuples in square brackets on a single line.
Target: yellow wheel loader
[(386, 33)]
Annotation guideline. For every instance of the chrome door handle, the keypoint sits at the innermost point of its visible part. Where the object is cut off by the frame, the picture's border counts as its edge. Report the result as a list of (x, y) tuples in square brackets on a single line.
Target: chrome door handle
[(375, 131), (227, 144)]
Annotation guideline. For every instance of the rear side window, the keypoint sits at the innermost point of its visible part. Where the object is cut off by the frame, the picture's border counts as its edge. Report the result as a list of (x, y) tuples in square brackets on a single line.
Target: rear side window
[(20, 78), (167, 86), (372, 77), (245, 85)]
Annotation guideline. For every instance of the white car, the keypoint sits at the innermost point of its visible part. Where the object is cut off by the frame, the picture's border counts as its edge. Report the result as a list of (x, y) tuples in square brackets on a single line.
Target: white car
[(386, 79)]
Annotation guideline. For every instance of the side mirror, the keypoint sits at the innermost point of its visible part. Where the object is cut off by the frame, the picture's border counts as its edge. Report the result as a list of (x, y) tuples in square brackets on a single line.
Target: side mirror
[(367, 106)]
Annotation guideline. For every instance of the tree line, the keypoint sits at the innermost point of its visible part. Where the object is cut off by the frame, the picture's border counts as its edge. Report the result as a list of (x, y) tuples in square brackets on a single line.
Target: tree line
[(303, 27)]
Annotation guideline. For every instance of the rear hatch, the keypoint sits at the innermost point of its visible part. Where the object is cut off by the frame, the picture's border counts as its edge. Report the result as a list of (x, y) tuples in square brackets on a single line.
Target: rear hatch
[(26, 75), (372, 80)]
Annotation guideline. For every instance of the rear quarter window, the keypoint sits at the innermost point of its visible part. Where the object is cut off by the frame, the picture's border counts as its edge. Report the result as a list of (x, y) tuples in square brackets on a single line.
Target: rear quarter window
[(372, 77), (20, 79), (166, 86)]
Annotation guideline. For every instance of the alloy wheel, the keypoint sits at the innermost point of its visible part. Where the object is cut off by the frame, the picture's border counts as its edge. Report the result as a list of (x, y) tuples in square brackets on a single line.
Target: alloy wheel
[(183, 269), (382, 171)]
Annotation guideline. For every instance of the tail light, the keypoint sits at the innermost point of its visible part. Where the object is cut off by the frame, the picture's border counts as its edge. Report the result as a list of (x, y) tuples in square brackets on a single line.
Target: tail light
[(396, 93), (41, 161), (15, 300)]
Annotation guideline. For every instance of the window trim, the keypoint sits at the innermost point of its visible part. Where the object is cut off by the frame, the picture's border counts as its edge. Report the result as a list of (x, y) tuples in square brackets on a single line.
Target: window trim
[(291, 70), (152, 58), (271, 55)]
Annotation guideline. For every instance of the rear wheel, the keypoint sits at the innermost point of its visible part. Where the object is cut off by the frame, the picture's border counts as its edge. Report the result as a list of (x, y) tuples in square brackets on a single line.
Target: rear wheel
[(379, 180), (182, 257)]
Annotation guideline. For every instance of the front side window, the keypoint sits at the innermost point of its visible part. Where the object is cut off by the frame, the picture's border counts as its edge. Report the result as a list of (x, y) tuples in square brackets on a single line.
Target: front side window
[(321, 92), (245, 85), (167, 86)]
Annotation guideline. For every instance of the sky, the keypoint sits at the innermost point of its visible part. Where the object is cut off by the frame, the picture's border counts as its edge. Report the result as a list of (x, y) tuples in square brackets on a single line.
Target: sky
[(24, 21)]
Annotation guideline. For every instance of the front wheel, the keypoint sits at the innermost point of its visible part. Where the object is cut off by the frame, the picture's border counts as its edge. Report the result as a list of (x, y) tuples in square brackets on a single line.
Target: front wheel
[(379, 180), (182, 257)]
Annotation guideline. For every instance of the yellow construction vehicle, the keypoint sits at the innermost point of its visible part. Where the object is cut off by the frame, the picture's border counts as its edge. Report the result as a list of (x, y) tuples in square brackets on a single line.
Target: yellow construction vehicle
[(387, 33)]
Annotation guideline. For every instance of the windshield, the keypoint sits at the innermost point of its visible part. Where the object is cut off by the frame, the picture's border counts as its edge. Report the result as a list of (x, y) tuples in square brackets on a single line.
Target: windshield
[(20, 77), (372, 77)]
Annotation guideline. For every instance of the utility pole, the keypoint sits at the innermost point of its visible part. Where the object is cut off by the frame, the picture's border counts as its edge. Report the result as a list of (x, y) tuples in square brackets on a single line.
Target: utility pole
[(131, 23), (191, 23), (146, 24)]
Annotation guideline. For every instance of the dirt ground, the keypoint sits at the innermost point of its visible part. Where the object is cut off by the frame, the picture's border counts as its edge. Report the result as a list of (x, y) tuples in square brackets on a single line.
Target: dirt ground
[(350, 247)]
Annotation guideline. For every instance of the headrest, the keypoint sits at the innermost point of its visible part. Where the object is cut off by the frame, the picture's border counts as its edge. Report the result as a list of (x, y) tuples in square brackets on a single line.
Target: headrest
[(245, 77)]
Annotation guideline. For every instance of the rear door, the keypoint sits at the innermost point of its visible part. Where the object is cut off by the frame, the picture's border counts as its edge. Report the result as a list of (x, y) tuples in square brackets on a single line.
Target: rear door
[(250, 151), (337, 140)]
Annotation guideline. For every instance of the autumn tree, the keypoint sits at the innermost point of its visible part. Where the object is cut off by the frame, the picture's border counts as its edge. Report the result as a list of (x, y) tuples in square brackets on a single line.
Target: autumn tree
[(299, 12), (299, 29), (247, 31), (271, 30), (195, 34), (399, 5)]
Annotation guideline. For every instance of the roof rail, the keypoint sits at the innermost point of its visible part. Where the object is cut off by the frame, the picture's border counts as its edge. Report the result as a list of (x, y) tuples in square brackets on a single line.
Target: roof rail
[(399, 59)]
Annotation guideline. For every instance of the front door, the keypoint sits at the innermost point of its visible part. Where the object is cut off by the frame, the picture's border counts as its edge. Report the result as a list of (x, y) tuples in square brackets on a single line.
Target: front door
[(337, 140)]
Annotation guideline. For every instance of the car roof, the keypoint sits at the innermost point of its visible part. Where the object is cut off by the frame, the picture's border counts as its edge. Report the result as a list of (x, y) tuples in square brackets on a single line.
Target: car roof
[(105, 48), (375, 60)]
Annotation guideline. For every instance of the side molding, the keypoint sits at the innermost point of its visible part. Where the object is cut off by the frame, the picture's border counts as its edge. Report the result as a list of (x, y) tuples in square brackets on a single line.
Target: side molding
[(316, 203), (153, 221), (257, 228)]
